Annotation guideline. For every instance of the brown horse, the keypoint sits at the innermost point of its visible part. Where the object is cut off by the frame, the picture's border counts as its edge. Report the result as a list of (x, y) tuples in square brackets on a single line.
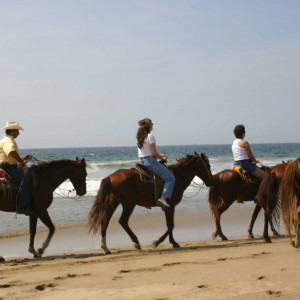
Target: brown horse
[(125, 187), (45, 178), (230, 186), (288, 185)]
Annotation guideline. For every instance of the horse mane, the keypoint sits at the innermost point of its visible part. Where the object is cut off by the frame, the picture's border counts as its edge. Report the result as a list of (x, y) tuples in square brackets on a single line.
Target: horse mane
[(51, 164), (182, 161)]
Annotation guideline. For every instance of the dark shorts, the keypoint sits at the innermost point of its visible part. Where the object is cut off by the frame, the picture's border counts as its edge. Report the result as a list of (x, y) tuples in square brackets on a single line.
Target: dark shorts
[(246, 164)]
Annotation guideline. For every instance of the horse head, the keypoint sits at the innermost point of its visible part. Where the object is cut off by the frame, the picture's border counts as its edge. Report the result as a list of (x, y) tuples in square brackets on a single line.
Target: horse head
[(78, 177), (203, 169)]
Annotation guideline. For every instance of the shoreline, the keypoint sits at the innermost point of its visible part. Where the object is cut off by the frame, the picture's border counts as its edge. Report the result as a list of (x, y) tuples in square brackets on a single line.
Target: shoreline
[(189, 226)]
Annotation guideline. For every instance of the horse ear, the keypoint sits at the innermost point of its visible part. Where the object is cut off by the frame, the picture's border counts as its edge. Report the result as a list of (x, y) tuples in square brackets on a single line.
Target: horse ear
[(203, 156), (196, 153), (77, 158)]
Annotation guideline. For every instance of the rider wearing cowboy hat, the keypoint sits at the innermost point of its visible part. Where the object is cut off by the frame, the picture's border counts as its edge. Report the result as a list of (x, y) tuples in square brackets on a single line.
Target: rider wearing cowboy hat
[(9, 159)]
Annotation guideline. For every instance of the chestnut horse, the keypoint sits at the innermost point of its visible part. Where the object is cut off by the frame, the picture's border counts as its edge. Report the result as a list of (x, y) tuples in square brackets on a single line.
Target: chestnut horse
[(288, 185), (230, 186), (45, 178), (125, 187)]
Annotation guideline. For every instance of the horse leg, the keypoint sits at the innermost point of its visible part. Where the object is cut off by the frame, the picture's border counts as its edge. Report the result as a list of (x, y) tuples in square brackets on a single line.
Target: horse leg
[(218, 231), (45, 218), (253, 219), (275, 232), (104, 224), (33, 221), (170, 225), (127, 211), (169, 213), (266, 233)]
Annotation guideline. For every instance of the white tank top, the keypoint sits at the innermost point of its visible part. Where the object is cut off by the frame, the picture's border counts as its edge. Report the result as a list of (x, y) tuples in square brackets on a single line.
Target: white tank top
[(238, 152)]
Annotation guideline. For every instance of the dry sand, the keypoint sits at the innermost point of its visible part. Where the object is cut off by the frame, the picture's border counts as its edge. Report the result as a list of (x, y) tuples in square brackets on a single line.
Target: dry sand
[(204, 269)]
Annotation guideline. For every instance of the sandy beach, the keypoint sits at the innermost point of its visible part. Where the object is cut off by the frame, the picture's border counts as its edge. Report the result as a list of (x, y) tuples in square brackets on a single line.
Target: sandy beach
[(201, 269)]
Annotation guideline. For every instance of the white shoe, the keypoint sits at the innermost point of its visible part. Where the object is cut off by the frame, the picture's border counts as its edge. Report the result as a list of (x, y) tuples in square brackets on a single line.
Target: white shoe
[(162, 203)]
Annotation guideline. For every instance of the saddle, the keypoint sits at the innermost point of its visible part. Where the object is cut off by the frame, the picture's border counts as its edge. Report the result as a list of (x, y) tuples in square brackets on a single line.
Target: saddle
[(247, 177), (145, 174), (148, 176), (7, 183)]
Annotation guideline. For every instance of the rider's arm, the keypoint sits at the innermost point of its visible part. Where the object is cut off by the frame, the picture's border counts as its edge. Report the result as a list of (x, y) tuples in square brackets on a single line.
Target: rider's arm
[(249, 152), (16, 156), (155, 154)]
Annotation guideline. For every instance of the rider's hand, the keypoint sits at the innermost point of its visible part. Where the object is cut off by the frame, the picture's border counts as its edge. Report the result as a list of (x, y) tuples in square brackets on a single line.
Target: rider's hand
[(21, 165), (164, 157), (27, 157)]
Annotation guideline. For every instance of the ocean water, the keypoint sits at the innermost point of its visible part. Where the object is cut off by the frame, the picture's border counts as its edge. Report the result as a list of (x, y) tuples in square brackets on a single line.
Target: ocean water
[(102, 161)]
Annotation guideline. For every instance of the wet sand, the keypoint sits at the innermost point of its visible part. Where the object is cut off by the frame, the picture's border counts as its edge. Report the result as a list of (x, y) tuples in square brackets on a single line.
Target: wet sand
[(201, 269)]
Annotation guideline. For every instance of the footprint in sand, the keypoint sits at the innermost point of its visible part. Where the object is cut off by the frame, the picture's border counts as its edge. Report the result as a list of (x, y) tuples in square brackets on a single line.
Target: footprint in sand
[(42, 287), (117, 278), (274, 293)]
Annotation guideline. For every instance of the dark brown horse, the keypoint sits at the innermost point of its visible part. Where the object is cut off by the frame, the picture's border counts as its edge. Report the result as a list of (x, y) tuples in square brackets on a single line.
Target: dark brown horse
[(288, 185), (125, 187), (230, 186), (45, 178)]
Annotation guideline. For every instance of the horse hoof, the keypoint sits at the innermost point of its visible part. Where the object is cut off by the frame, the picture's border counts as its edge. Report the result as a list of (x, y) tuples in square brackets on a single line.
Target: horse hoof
[(175, 245), (2, 259), (214, 235), (106, 252), (224, 238), (155, 244), (251, 236), (34, 253), (137, 246), (268, 240), (275, 233), (40, 252)]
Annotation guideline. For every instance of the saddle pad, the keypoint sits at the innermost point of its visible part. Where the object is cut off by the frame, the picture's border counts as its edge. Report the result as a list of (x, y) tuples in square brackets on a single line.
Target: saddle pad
[(3, 173), (239, 169)]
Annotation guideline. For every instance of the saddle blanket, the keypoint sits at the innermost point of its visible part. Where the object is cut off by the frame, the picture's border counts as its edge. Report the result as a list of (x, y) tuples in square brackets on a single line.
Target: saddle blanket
[(239, 169)]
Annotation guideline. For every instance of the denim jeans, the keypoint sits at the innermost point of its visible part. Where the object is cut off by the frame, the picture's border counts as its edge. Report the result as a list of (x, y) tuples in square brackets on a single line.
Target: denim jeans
[(18, 176), (159, 169), (246, 164)]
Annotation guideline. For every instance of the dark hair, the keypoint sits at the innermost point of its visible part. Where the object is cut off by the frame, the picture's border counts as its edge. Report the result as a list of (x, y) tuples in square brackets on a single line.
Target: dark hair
[(7, 131), (239, 130), (143, 131)]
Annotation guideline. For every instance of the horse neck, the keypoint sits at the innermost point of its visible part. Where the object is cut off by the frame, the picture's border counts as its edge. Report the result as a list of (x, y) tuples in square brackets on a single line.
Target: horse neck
[(55, 175), (184, 174)]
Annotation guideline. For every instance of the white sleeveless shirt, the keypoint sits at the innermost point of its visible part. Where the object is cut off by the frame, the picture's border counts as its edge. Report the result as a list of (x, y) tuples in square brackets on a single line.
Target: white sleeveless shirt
[(238, 152)]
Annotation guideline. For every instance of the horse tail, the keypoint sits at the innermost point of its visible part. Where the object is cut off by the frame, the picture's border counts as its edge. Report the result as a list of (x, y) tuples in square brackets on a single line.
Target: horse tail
[(268, 198), (103, 199), (288, 196), (214, 198)]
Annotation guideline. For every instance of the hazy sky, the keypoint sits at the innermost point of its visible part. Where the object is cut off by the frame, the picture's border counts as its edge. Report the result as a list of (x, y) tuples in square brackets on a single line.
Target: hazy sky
[(79, 73)]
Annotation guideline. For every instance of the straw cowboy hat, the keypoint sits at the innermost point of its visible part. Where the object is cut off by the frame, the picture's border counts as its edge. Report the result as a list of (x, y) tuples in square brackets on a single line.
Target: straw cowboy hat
[(12, 125)]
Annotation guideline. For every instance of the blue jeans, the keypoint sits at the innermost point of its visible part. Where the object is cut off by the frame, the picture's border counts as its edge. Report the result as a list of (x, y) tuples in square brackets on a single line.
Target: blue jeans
[(18, 176), (246, 164), (159, 169)]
